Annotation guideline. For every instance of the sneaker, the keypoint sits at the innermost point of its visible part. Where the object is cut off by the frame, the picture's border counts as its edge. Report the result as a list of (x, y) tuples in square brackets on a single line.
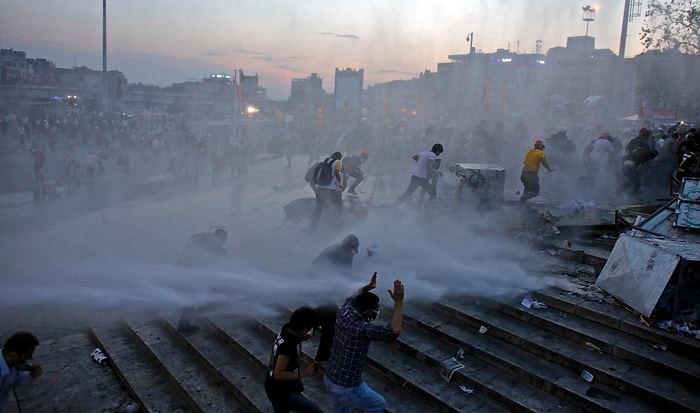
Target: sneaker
[(352, 192)]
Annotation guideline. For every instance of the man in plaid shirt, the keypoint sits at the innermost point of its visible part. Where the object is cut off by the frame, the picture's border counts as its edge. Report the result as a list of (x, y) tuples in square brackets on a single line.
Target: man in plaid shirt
[(354, 332)]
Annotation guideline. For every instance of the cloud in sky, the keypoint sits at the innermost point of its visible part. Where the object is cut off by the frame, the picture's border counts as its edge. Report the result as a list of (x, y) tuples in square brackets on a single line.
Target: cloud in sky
[(248, 51), (349, 36)]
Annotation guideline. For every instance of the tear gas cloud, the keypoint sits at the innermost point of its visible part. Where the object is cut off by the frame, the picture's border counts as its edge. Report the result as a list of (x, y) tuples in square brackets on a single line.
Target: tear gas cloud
[(121, 259)]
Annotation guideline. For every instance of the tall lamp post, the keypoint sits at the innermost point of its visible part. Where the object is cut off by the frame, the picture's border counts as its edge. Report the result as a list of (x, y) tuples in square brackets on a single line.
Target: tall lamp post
[(104, 53), (470, 39), (589, 15)]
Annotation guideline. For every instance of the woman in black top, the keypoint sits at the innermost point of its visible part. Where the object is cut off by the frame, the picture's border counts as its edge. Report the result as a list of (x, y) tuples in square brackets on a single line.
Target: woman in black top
[(283, 384)]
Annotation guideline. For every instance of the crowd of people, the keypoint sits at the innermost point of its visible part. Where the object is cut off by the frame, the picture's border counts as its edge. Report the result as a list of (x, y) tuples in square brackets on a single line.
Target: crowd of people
[(74, 150), (346, 332), (87, 145), (349, 331)]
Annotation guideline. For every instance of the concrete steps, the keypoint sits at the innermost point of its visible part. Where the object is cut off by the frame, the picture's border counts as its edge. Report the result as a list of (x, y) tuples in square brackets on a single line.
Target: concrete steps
[(141, 374), (492, 388), (528, 361), (620, 379), (239, 375), (397, 377), (255, 343), (619, 319)]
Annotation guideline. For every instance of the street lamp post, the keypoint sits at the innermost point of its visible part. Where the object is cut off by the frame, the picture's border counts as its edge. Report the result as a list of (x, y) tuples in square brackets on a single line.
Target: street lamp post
[(589, 15), (470, 39), (104, 53)]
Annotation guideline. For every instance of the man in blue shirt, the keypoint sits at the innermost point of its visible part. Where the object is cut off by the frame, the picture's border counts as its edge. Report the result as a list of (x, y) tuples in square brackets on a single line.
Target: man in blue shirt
[(354, 332), (14, 370)]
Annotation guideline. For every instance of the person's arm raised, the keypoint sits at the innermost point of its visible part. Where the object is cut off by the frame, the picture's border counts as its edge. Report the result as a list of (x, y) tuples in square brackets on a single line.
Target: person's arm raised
[(397, 296)]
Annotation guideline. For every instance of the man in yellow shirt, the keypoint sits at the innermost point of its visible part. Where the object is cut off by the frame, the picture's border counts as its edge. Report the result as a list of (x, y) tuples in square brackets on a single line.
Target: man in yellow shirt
[(531, 166)]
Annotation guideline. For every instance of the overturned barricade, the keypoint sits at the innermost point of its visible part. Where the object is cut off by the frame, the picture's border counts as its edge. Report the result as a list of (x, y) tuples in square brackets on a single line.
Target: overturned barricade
[(654, 277), (654, 269)]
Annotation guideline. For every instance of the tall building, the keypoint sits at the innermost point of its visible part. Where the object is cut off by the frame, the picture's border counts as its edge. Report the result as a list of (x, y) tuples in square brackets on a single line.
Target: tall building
[(307, 94), (348, 89), (250, 89), (17, 69)]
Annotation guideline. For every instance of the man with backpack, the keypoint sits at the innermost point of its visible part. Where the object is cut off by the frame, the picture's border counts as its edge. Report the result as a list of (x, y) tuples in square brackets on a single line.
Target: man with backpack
[(327, 183)]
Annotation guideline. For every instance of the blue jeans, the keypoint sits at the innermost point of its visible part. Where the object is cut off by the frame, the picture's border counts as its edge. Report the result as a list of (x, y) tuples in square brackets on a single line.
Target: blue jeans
[(413, 185), (346, 398)]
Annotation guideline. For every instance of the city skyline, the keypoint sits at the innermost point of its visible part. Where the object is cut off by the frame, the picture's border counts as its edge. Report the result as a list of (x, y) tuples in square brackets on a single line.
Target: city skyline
[(162, 43)]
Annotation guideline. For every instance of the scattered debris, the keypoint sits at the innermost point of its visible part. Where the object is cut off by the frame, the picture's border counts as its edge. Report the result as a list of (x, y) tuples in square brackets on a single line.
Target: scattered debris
[(647, 321), (593, 347), (460, 353), (587, 376), (657, 346), (99, 356), (483, 329), (466, 389), (448, 368), (528, 303)]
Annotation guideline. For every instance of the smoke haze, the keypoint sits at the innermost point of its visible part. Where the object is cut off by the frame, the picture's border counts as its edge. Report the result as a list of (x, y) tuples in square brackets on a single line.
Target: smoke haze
[(120, 259)]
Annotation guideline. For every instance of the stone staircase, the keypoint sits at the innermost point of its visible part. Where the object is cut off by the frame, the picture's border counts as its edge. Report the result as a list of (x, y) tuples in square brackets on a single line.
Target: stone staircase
[(528, 360)]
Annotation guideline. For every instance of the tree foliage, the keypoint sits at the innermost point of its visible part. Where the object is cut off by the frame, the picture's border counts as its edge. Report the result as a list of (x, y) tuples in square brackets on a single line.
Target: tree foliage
[(672, 25)]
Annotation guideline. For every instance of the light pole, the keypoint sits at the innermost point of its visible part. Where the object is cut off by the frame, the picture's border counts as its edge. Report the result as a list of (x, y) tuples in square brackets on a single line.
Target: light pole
[(104, 53), (589, 15), (470, 39)]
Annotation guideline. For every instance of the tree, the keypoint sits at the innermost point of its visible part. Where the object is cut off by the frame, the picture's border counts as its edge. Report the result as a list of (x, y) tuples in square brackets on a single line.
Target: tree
[(672, 24)]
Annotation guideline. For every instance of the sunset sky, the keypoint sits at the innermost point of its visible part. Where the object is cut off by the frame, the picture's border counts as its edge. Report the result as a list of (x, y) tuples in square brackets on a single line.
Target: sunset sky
[(170, 41)]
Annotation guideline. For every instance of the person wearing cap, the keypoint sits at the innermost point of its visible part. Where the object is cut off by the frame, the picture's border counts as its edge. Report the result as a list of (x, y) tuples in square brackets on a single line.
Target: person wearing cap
[(422, 171), (351, 168), (640, 142), (534, 158)]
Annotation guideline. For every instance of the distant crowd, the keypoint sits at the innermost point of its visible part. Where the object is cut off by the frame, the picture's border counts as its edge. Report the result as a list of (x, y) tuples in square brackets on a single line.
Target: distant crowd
[(75, 149)]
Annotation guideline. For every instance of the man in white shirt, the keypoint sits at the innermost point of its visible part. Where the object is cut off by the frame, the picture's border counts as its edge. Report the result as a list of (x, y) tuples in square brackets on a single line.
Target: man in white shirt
[(330, 197), (422, 172), (598, 158)]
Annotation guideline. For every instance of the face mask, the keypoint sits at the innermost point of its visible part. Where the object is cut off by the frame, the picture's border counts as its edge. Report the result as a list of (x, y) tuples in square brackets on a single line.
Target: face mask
[(373, 317)]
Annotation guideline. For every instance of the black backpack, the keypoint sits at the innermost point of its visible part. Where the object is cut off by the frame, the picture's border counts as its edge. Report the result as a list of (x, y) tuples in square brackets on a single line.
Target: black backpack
[(309, 176), (323, 173)]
